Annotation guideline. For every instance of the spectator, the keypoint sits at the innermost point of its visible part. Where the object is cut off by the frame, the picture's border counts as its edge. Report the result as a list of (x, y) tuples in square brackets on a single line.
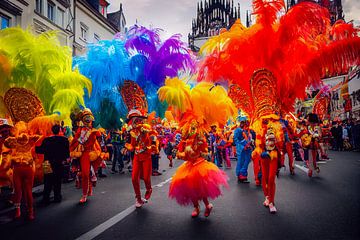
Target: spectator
[(56, 151), (334, 135), (356, 134), (339, 140), (118, 143)]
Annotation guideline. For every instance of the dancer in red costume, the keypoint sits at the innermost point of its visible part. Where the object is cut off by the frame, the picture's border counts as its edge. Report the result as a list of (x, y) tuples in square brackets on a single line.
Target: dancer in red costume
[(140, 144), (287, 148), (315, 133), (86, 146)]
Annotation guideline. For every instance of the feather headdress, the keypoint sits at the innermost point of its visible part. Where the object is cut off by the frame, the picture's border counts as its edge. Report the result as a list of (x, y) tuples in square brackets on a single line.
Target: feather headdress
[(43, 66), (298, 48), (206, 103)]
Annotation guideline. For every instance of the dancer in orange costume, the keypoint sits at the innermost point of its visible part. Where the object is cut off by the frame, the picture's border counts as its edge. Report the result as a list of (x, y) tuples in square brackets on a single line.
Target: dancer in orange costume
[(86, 146), (18, 150), (197, 179), (141, 145)]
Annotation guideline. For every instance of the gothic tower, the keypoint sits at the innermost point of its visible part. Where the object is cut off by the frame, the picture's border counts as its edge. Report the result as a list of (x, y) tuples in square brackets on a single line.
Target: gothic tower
[(212, 15)]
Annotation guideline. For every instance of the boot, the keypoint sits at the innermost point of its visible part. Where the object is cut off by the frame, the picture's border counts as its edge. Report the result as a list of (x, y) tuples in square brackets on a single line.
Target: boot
[(310, 173), (317, 169), (17, 210), (31, 214), (195, 212), (292, 171), (208, 209)]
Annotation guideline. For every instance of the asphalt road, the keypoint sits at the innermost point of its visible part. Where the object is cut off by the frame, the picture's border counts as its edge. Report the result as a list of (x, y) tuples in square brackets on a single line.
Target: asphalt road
[(326, 206)]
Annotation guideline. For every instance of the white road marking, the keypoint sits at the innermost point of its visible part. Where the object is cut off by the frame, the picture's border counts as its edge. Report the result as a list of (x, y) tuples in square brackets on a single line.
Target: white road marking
[(93, 233), (302, 168)]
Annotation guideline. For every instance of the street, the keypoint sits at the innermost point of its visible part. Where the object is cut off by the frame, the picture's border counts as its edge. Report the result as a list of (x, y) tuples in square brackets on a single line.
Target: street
[(326, 206)]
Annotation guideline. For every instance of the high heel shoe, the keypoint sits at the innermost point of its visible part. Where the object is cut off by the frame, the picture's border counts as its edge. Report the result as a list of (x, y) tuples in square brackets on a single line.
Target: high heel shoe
[(208, 210), (195, 212), (83, 199)]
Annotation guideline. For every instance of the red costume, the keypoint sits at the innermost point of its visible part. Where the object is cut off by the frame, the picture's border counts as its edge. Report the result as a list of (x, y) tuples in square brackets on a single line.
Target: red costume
[(87, 148), (141, 145)]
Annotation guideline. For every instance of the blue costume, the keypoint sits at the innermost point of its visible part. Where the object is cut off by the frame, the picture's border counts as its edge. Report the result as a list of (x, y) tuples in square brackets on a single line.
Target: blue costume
[(242, 138)]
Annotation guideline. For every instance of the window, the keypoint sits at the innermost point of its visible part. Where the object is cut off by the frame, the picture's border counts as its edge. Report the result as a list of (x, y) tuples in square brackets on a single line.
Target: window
[(39, 6), (102, 10), (61, 18), (83, 30), (96, 38), (51, 11), (4, 22)]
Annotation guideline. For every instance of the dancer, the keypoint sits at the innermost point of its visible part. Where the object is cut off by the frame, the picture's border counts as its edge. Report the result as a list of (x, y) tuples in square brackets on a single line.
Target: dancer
[(197, 179), (287, 148), (141, 145), (315, 133), (18, 150), (86, 146), (243, 140)]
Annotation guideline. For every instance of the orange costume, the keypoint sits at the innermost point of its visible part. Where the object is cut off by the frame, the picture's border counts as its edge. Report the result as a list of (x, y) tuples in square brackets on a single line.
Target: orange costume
[(18, 150), (87, 148)]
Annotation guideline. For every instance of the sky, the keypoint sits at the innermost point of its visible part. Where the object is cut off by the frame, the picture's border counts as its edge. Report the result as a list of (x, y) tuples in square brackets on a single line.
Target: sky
[(175, 16)]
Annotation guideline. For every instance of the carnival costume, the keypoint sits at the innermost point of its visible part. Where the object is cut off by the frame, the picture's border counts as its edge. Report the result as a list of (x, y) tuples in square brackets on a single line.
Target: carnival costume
[(315, 134), (243, 142), (86, 147), (264, 82), (19, 150), (288, 146), (196, 179), (141, 145)]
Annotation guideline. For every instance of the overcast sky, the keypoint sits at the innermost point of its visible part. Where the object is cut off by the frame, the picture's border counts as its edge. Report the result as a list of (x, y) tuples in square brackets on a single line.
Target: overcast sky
[(175, 16)]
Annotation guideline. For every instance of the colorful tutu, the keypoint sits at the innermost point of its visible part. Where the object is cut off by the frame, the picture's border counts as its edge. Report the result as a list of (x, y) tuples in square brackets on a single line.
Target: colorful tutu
[(194, 182)]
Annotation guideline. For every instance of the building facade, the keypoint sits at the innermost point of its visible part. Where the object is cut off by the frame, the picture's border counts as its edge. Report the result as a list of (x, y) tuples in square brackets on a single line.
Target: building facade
[(77, 22), (212, 15), (94, 23), (42, 15)]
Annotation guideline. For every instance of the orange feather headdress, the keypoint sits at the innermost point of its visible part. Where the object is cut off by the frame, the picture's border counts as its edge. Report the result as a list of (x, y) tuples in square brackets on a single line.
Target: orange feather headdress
[(206, 103)]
